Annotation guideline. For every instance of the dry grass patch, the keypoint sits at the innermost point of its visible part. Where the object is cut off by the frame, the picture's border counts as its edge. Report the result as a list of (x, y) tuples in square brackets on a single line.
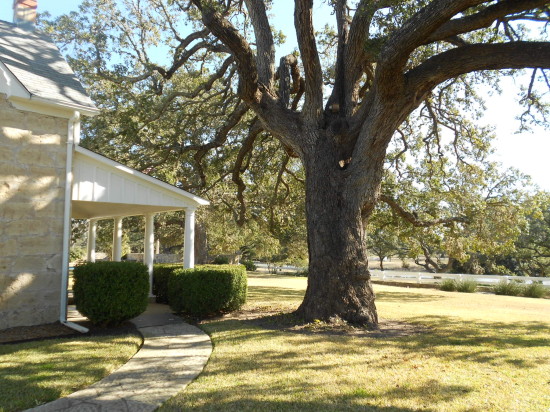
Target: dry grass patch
[(481, 352)]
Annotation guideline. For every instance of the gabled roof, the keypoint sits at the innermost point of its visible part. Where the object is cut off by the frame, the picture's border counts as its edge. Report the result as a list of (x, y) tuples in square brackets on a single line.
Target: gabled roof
[(104, 188), (35, 61)]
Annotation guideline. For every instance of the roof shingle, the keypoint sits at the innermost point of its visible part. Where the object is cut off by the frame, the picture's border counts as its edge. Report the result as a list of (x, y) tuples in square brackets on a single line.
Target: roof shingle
[(34, 59)]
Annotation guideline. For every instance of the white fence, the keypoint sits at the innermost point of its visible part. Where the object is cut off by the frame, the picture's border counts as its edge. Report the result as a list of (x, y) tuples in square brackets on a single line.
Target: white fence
[(418, 277), (436, 278)]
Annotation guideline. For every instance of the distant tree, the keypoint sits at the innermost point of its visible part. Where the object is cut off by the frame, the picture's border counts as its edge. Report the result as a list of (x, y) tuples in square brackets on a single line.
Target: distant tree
[(533, 245)]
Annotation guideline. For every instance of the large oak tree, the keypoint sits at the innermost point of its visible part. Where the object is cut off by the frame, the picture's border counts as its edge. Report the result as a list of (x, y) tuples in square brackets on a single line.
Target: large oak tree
[(390, 56)]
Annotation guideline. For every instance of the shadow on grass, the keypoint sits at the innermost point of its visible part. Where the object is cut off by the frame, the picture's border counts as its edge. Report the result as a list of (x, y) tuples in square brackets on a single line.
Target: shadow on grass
[(259, 369), (37, 372), (481, 342), (225, 401), (257, 406), (437, 336)]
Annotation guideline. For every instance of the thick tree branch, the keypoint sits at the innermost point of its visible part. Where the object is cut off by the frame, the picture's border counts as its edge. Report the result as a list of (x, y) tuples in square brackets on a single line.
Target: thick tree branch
[(483, 19), (412, 34), (357, 59), (305, 33), (226, 32), (413, 219), (245, 149), (337, 101), (275, 118), (265, 48), (466, 59), (219, 139)]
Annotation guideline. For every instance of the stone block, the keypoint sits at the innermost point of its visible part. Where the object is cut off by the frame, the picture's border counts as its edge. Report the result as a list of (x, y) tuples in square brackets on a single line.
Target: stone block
[(37, 155), (15, 210), (26, 227), (45, 283), (49, 209), (47, 245), (9, 247), (11, 136), (7, 154), (29, 264), (15, 288), (14, 172), (41, 124), (30, 315), (56, 225), (50, 171), (5, 267), (54, 263), (50, 139)]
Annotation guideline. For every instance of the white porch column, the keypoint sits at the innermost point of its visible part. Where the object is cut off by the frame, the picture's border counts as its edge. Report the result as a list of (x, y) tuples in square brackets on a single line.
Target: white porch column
[(117, 240), (149, 247), (189, 243), (92, 229)]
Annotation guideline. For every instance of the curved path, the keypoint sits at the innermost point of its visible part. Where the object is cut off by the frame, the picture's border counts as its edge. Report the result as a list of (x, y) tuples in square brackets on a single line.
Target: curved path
[(172, 355)]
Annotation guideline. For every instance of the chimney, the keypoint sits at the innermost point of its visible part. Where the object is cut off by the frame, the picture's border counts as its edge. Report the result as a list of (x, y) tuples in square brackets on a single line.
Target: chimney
[(24, 13)]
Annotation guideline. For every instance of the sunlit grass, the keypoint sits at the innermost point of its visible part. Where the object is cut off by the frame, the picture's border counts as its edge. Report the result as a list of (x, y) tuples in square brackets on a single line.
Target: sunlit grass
[(33, 373), (481, 352)]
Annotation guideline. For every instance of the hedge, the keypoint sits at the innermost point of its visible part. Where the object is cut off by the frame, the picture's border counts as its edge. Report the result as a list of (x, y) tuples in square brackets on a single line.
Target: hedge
[(108, 293), (161, 273), (207, 289)]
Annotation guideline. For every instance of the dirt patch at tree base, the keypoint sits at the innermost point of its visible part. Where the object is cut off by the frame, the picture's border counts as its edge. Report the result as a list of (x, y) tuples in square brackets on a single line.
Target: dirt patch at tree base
[(386, 328), (289, 322)]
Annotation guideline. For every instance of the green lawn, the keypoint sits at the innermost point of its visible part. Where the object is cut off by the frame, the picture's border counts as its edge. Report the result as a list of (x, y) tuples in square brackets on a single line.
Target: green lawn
[(33, 373), (482, 353)]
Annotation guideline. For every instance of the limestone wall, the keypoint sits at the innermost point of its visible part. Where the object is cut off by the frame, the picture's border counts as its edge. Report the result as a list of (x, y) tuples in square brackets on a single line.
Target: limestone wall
[(32, 181)]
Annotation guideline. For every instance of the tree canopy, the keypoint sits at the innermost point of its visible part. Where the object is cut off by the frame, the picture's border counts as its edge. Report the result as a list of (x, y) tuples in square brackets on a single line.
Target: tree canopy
[(391, 78)]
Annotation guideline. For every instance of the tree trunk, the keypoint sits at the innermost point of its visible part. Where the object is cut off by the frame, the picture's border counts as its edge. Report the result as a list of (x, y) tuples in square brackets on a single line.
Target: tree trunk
[(201, 244), (339, 280)]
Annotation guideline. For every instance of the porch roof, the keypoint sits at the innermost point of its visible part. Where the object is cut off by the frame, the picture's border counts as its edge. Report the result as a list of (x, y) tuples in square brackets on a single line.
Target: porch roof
[(104, 188)]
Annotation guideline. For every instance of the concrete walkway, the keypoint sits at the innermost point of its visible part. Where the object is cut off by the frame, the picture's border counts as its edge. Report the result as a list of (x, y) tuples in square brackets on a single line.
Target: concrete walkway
[(172, 355)]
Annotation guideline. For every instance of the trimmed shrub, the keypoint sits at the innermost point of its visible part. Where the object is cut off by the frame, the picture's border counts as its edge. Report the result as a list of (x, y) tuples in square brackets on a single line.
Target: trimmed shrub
[(221, 260), (534, 290), (466, 286), (448, 285), (207, 289), (161, 273), (248, 264), (108, 293), (509, 289)]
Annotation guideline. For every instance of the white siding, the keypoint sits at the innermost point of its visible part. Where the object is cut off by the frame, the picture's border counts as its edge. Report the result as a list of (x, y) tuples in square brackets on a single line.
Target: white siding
[(97, 182)]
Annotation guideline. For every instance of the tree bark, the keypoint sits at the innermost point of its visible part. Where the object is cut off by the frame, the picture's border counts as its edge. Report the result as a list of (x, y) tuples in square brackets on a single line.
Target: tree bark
[(339, 283)]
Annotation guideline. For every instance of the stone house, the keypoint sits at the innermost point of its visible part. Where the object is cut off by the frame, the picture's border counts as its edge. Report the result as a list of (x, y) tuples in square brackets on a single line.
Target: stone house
[(46, 179)]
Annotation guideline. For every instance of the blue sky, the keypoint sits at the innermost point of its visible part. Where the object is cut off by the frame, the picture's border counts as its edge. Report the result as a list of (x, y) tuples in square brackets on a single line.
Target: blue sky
[(528, 152)]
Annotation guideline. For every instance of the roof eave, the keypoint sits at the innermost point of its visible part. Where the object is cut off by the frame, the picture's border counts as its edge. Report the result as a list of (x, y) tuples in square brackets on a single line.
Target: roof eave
[(86, 110)]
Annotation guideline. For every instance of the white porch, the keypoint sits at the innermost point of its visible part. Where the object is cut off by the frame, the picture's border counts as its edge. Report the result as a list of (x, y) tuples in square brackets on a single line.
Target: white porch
[(105, 189)]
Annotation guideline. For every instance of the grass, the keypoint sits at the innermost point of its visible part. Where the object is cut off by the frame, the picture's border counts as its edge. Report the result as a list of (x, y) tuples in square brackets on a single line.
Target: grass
[(36, 372), (481, 353), (534, 290), (508, 288), (466, 286)]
